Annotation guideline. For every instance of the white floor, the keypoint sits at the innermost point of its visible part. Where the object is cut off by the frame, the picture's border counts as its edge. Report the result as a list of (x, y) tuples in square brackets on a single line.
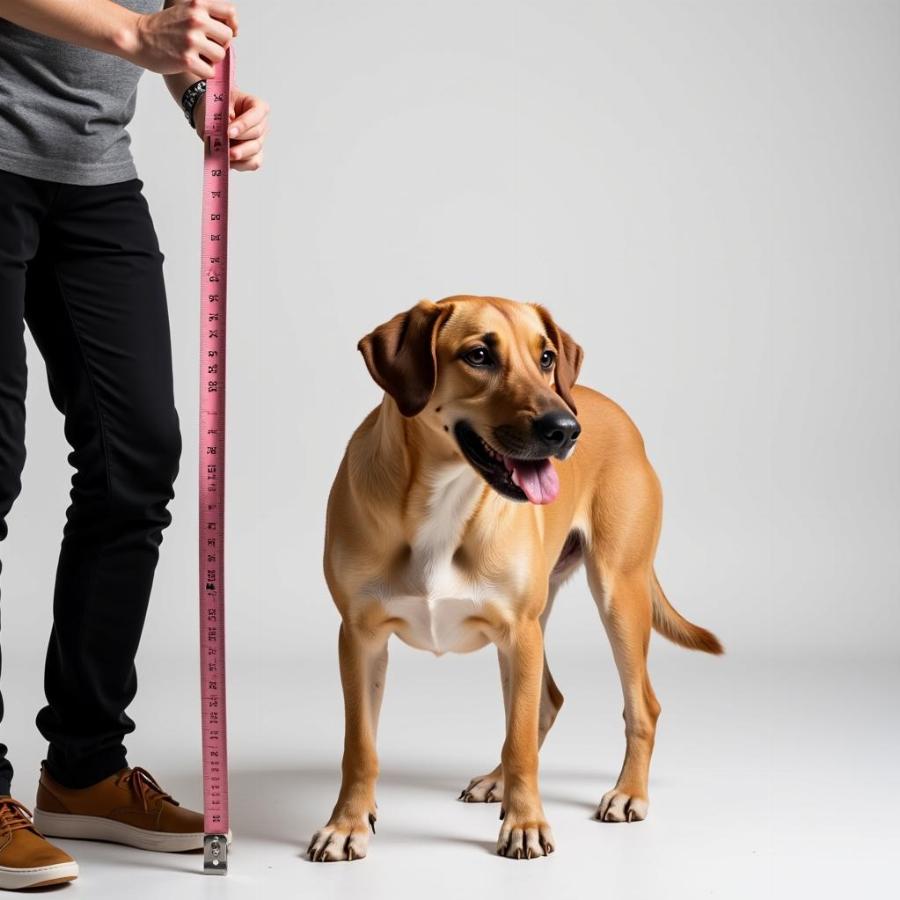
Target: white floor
[(770, 779)]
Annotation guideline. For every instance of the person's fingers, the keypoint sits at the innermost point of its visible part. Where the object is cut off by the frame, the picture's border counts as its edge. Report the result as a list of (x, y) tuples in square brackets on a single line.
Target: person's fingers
[(211, 51), (200, 18), (244, 151), (248, 165), (251, 112), (254, 132), (224, 12), (198, 66), (218, 31)]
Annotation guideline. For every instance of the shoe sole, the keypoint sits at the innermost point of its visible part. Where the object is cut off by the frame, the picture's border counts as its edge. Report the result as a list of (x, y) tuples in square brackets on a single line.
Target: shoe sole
[(12, 879), (98, 828)]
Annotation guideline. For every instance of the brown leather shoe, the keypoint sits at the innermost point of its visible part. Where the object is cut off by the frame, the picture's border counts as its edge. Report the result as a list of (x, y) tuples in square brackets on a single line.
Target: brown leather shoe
[(126, 808), (27, 859)]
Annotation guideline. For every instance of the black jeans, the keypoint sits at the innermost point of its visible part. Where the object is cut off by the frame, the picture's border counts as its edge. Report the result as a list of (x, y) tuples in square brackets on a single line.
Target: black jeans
[(81, 265)]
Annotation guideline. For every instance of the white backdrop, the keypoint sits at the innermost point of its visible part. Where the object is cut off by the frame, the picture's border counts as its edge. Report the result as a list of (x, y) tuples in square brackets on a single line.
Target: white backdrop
[(706, 194)]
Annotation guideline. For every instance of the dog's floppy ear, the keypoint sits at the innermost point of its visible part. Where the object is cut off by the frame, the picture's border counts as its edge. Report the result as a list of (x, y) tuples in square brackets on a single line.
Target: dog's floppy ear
[(401, 356), (569, 356)]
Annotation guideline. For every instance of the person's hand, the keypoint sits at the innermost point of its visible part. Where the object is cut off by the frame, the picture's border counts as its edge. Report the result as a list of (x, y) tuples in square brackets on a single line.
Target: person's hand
[(189, 36), (247, 131), (248, 125)]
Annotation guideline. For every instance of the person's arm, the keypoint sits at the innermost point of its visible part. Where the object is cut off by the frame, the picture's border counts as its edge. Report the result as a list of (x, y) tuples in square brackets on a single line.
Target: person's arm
[(249, 119), (189, 35)]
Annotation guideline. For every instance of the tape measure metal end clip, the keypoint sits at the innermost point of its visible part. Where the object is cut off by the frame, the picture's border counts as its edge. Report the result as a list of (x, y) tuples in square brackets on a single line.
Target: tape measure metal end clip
[(215, 854)]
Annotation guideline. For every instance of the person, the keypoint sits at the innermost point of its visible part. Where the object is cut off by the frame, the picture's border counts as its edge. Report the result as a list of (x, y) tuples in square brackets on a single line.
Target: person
[(80, 264)]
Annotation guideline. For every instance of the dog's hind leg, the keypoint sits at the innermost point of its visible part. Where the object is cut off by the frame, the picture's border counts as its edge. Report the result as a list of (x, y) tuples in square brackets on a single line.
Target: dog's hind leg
[(625, 606), (489, 788), (363, 668)]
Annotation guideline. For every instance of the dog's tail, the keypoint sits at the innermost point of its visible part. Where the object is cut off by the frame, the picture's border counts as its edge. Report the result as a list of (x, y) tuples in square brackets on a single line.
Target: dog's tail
[(671, 624)]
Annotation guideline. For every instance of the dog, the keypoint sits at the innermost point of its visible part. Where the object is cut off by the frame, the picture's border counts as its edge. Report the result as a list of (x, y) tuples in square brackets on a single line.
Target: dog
[(460, 507)]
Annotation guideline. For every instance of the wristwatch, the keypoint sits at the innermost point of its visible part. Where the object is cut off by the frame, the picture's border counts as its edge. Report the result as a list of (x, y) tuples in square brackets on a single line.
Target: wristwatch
[(189, 100)]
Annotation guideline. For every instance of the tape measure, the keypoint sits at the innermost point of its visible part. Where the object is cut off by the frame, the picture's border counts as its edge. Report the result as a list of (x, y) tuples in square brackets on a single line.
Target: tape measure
[(213, 295)]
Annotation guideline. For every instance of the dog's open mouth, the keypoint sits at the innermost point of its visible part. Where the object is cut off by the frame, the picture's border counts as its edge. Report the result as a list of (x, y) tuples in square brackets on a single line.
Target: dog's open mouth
[(532, 480)]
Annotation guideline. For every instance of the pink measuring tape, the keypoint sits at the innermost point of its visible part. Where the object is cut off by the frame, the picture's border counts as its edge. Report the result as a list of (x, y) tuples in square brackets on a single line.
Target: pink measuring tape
[(213, 288)]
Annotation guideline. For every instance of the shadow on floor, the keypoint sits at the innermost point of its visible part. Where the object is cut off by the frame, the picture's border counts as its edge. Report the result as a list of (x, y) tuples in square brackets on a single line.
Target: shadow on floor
[(287, 805), (284, 806)]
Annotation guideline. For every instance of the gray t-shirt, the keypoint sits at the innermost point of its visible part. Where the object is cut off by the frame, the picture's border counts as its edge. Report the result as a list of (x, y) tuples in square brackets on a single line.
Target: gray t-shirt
[(63, 109)]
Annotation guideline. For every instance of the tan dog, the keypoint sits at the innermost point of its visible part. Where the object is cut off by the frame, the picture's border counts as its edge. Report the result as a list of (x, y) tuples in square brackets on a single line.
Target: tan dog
[(425, 540)]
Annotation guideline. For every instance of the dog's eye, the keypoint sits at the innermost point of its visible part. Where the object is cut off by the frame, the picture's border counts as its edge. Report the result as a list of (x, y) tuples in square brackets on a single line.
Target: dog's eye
[(478, 356), (548, 357)]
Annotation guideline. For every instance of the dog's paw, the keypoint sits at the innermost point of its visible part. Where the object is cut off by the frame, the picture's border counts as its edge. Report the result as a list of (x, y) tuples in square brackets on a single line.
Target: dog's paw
[(484, 789), (341, 840), (620, 806), (520, 839)]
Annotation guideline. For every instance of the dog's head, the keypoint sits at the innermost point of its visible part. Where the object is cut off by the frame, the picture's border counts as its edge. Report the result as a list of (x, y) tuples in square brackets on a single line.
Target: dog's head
[(490, 377)]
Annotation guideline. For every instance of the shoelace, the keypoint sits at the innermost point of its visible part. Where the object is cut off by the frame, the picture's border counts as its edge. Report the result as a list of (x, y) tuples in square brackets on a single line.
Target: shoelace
[(13, 815), (145, 787)]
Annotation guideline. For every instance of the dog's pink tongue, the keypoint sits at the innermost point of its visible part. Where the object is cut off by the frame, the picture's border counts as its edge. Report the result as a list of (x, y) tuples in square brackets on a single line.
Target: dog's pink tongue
[(537, 478)]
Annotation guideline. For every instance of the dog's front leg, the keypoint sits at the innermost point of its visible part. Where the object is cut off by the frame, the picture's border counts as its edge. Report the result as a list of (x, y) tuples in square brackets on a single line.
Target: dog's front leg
[(489, 788), (363, 659), (525, 833)]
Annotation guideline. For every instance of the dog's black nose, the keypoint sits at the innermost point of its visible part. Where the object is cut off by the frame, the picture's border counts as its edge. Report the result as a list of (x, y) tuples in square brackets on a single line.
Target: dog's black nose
[(557, 430)]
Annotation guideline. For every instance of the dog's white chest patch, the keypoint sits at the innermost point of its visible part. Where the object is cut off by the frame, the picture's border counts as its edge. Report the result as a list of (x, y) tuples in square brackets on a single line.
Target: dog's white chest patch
[(436, 616)]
